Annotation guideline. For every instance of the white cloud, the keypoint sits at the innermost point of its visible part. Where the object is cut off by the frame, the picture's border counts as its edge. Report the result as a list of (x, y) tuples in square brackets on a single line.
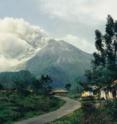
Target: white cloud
[(80, 17), (85, 11), (22, 30), (7, 64), (80, 43), (18, 41), (13, 47)]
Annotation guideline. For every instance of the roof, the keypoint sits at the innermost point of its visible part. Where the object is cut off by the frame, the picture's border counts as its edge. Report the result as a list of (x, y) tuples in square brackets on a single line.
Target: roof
[(60, 91), (94, 87)]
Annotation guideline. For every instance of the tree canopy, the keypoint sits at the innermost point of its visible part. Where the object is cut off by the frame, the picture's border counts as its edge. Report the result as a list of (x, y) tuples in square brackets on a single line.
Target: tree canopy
[(104, 63)]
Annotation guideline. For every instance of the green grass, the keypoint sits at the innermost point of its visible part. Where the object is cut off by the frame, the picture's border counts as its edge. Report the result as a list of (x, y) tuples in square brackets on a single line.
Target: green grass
[(78, 117), (72, 118), (14, 107), (89, 114)]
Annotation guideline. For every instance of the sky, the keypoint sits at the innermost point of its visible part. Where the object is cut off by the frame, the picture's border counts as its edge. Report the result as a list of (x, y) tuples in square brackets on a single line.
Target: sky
[(24, 21)]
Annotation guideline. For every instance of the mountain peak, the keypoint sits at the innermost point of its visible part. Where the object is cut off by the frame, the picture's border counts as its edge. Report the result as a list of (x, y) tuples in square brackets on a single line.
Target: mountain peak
[(62, 61)]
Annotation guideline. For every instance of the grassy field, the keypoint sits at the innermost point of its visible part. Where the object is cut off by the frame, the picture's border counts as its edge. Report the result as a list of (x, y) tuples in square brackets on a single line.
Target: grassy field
[(88, 114), (14, 107), (72, 118)]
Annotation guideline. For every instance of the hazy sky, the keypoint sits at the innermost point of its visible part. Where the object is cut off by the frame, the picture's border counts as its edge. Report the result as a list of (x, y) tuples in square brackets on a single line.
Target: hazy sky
[(71, 20)]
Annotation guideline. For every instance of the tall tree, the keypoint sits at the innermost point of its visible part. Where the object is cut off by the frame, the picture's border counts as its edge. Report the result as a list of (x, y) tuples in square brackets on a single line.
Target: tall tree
[(46, 84), (105, 58)]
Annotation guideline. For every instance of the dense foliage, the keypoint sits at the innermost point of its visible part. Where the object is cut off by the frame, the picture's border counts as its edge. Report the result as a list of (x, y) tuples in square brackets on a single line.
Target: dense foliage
[(24, 82), (9, 79), (104, 64), (25, 99)]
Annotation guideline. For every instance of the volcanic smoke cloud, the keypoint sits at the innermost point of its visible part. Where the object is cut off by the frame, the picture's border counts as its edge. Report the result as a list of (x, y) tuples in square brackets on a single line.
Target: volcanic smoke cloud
[(18, 41)]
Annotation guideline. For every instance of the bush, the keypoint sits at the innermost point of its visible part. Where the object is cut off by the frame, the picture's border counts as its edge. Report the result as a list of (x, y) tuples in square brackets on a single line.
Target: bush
[(16, 107), (88, 114), (111, 109)]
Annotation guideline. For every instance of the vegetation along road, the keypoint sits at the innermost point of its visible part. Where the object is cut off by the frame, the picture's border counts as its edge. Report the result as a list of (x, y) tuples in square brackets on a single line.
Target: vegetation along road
[(70, 106)]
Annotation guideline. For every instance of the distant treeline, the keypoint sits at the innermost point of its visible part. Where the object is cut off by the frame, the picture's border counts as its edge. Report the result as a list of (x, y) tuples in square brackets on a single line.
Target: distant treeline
[(25, 81)]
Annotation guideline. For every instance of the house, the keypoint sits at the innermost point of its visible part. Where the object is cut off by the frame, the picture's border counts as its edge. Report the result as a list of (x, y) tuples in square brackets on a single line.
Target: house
[(89, 90), (86, 93), (109, 92), (114, 88), (104, 93), (60, 92)]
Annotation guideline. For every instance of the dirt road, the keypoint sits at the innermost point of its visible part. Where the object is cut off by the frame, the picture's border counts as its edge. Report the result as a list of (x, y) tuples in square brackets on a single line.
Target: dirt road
[(70, 106)]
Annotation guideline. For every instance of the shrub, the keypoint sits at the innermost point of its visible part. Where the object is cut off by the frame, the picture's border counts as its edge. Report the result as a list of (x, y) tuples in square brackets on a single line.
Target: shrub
[(111, 108)]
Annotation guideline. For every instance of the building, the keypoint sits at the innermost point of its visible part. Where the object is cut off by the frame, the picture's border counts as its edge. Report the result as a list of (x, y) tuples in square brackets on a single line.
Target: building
[(86, 93), (109, 92), (89, 90), (60, 92), (104, 93), (114, 88)]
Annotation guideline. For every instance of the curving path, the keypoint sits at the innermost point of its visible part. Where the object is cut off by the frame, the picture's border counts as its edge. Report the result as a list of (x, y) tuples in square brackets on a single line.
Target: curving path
[(70, 106)]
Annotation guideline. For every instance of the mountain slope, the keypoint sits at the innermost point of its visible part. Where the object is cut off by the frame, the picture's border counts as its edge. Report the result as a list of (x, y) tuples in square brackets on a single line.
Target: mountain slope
[(62, 61)]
